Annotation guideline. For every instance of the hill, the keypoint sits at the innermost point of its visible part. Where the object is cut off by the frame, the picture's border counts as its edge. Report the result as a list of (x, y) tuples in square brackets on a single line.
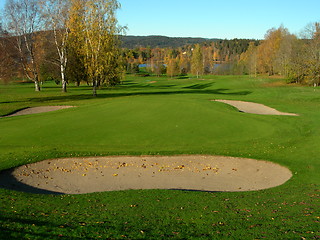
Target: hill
[(160, 41)]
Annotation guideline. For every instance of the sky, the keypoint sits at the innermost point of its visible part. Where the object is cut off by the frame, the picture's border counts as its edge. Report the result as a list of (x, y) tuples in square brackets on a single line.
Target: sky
[(214, 18)]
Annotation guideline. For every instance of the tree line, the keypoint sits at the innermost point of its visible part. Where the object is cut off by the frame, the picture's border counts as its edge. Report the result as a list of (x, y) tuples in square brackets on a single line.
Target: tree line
[(155, 41), (210, 57), (297, 58), (285, 54), (78, 39)]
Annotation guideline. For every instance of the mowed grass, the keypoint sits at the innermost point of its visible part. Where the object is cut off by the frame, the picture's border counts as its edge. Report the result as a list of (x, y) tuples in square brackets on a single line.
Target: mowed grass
[(161, 116)]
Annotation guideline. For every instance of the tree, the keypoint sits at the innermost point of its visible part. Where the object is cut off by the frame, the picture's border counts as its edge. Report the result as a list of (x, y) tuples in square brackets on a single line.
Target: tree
[(56, 13), (268, 50), (297, 65), (184, 63), (304, 62), (156, 61), (172, 66), (249, 59), (197, 61), (284, 53), (93, 26), (312, 33), (8, 65), (22, 23)]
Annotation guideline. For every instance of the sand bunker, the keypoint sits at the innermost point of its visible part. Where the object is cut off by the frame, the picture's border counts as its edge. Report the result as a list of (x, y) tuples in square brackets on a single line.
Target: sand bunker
[(256, 108), (34, 110), (98, 174)]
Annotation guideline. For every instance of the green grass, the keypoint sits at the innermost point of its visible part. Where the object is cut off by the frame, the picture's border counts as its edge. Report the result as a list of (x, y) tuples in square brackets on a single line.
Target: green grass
[(166, 117)]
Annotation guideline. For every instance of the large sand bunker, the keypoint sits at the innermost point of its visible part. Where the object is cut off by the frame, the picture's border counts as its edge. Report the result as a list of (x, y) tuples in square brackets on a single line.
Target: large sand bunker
[(190, 172), (34, 110), (256, 108)]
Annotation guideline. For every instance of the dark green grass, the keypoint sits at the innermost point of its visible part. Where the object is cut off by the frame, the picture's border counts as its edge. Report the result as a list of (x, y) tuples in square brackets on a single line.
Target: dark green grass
[(169, 116)]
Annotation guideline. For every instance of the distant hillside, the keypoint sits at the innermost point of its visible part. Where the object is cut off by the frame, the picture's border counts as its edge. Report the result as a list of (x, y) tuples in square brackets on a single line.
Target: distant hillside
[(160, 41)]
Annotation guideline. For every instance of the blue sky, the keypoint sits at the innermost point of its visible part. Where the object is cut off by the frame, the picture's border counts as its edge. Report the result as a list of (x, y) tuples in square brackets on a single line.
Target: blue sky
[(215, 18)]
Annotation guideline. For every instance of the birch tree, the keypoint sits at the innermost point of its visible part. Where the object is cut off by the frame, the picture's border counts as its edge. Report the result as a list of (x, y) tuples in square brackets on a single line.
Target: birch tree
[(56, 14), (312, 33), (22, 22), (249, 59), (95, 30), (197, 61), (172, 66)]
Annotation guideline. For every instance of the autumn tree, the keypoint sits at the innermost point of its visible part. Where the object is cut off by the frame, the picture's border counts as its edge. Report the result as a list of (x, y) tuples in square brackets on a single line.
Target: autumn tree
[(312, 60), (8, 66), (157, 61), (197, 61), (131, 61), (172, 65), (297, 65), (269, 50), (76, 70), (95, 30), (184, 62), (22, 22), (249, 60), (284, 54)]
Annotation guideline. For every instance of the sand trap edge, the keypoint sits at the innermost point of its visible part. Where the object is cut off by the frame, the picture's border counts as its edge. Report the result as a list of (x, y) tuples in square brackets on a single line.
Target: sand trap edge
[(35, 110), (253, 108), (116, 173)]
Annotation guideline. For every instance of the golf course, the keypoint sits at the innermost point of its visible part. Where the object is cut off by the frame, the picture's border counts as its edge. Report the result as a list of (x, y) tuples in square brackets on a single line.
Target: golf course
[(167, 119)]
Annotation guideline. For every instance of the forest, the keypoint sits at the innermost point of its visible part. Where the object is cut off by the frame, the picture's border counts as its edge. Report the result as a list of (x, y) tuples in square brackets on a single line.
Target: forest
[(296, 58), (80, 41), (160, 41)]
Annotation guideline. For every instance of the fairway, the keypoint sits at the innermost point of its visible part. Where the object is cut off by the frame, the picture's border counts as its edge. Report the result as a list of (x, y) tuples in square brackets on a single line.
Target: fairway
[(158, 116)]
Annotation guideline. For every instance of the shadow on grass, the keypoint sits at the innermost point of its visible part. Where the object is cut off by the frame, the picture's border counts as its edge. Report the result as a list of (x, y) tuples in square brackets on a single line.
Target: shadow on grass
[(131, 88), (9, 182), (200, 86), (183, 77), (123, 94), (13, 232)]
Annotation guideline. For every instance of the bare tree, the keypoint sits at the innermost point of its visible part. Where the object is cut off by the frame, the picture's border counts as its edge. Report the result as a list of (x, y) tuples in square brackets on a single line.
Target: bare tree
[(22, 22)]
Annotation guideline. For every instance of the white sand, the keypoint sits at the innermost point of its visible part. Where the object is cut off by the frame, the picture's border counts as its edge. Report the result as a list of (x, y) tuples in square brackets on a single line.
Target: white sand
[(256, 108), (188, 172)]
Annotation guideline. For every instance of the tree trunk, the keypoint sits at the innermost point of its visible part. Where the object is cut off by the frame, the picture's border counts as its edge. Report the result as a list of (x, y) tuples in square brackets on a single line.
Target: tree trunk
[(37, 86), (95, 83), (63, 80), (64, 86)]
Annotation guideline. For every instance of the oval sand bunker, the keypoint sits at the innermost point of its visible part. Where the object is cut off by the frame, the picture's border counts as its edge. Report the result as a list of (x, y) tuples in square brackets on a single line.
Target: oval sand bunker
[(98, 174)]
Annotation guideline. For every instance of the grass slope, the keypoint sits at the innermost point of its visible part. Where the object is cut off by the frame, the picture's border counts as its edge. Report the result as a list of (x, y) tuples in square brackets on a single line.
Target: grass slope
[(164, 116)]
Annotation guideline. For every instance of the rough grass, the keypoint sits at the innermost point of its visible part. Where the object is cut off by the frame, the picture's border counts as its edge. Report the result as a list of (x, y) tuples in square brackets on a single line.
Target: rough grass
[(149, 115)]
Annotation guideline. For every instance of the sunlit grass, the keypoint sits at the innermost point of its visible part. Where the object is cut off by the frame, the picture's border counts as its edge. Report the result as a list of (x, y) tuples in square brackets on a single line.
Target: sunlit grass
[(157, 115)]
